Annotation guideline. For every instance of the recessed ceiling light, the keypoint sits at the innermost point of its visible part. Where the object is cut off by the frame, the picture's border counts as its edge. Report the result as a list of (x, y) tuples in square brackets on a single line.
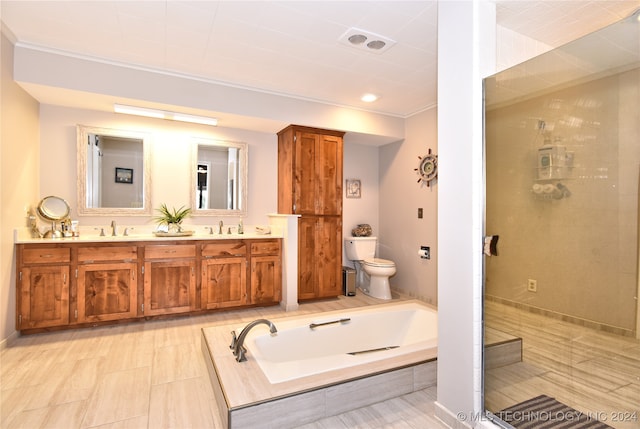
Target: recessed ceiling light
[(369, 98)]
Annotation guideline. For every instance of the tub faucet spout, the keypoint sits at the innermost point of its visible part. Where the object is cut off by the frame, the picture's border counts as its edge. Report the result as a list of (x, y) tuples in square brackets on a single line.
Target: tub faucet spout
[(237, 341)]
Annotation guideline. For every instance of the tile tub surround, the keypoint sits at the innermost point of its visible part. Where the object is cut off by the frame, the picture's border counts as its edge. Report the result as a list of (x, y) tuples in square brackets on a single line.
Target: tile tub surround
[(246, 398)]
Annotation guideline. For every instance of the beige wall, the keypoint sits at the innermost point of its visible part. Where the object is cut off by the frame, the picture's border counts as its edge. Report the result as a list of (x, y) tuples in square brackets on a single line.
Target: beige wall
[(44, 163), (582, 250), (361, 162), (171, 145), (19, 160), (401, 232)]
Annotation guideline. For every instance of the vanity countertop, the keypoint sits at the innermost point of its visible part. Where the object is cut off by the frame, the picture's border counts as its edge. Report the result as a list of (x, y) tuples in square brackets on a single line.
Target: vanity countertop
[(90, 235)]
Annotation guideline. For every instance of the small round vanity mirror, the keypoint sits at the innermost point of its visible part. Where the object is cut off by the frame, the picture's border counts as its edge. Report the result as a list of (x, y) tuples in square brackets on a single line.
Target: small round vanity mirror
[(54, 209)]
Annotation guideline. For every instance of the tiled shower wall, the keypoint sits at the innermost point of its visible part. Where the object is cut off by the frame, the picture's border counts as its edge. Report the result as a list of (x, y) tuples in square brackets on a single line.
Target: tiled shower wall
[(581, 249)]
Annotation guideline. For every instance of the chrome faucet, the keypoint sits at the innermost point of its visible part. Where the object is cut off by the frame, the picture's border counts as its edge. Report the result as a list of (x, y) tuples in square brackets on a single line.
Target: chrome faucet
[(237, 342), (220, 225), (114, 231)]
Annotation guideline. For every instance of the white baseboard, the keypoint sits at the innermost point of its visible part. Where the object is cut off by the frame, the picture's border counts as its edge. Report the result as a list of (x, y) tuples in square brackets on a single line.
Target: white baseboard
[(8, 341)]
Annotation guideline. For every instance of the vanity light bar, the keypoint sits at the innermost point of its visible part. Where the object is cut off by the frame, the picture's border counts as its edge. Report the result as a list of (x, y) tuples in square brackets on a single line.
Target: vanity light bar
[(161, 114)]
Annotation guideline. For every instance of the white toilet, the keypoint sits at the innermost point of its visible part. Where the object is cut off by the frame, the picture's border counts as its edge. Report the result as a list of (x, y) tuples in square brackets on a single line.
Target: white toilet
[(372, 274)]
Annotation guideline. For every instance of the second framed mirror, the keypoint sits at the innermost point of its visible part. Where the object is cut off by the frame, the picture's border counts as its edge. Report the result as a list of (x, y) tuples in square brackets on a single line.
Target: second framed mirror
[(219, 178)]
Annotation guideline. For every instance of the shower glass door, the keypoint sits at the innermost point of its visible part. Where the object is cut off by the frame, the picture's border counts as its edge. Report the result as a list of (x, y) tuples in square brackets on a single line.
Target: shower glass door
[(562, 167)]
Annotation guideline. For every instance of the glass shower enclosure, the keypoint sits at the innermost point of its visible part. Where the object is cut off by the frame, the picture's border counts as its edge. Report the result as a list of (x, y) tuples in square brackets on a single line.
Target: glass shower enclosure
[(562, 172)]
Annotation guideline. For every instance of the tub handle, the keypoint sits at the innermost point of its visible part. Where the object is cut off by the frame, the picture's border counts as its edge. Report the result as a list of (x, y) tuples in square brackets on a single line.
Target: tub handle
[(315, 325)]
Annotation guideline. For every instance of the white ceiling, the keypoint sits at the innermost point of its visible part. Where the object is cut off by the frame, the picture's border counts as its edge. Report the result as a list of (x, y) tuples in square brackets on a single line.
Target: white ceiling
[(287, 47)]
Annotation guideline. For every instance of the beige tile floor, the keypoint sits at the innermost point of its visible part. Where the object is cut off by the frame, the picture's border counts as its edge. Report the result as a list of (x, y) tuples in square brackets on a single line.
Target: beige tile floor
[(592, 371), (152, 375)]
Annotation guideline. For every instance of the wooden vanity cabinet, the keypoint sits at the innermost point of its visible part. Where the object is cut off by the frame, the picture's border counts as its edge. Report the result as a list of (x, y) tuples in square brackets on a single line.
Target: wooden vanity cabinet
[(266, 272), (169, 279), (76, 284), (310, 171), (223, 275), (310, 184), (320, 257), (107, 283), (43, 286)]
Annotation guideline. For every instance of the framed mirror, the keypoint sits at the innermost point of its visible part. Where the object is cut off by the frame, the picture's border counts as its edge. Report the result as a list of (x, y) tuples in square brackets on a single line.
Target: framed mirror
[(114, 175), (219, 178)]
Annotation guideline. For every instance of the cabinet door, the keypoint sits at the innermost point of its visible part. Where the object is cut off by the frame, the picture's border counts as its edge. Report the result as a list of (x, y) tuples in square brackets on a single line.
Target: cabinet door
[(44, 297), (224, 282), (169, 287), (307, 282), (328, 256), (305, 176), (328, 180), (318, 174), (107, 292), (319, 256), (266, 279)]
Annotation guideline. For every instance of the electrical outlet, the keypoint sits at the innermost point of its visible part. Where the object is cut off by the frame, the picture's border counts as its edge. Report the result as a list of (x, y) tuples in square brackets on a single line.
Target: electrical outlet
[(532, 285)]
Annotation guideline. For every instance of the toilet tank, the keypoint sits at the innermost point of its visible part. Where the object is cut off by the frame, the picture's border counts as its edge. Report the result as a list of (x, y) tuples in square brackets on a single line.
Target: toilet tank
[(360, 248)]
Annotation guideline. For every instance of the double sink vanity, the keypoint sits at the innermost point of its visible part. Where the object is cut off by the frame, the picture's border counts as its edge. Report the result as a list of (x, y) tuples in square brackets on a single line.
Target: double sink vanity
[(92, 280), (67, 278)]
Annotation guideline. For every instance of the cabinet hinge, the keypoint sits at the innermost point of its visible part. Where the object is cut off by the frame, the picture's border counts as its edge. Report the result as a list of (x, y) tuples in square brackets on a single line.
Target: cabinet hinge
[(142, 306), (20, 320), (76, 277), (143, 269), (76, 314), (20, 278)]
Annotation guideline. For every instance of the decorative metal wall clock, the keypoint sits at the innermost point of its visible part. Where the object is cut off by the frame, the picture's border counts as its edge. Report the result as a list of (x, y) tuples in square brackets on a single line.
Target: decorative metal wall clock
[(428, 168)]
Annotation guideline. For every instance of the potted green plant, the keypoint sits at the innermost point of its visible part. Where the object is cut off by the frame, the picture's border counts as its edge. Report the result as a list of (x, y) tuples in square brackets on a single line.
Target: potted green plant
[(172, 218)]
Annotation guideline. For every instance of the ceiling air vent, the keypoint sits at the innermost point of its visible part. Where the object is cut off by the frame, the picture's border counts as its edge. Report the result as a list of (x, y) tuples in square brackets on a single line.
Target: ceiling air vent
[(366, 41)]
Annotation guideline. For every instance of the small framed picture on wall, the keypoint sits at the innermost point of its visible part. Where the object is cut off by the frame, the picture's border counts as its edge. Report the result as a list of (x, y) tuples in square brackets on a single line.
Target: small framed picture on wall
[(353, 188), (124, 175)]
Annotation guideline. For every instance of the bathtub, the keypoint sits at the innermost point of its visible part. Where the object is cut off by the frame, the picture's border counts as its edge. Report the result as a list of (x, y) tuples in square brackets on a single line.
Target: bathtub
[(312, 368), (316, 345)]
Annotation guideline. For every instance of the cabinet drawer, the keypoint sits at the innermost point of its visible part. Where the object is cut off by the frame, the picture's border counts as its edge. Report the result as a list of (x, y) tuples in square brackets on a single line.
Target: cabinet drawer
[(265, 248), (164, 251), (46, 255), (224, 249), (124, 253)]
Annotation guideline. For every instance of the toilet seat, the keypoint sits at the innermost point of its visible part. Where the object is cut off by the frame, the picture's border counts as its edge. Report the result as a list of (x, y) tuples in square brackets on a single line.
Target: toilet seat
[(378, 262)]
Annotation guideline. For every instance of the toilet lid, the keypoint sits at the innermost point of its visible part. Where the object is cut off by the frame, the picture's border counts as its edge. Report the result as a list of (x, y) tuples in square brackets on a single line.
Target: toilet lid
[(377, 262)]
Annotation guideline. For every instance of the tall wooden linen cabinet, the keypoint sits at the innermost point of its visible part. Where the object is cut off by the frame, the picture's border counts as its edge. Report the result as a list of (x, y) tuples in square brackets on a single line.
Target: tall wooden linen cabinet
[(310, 185)]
